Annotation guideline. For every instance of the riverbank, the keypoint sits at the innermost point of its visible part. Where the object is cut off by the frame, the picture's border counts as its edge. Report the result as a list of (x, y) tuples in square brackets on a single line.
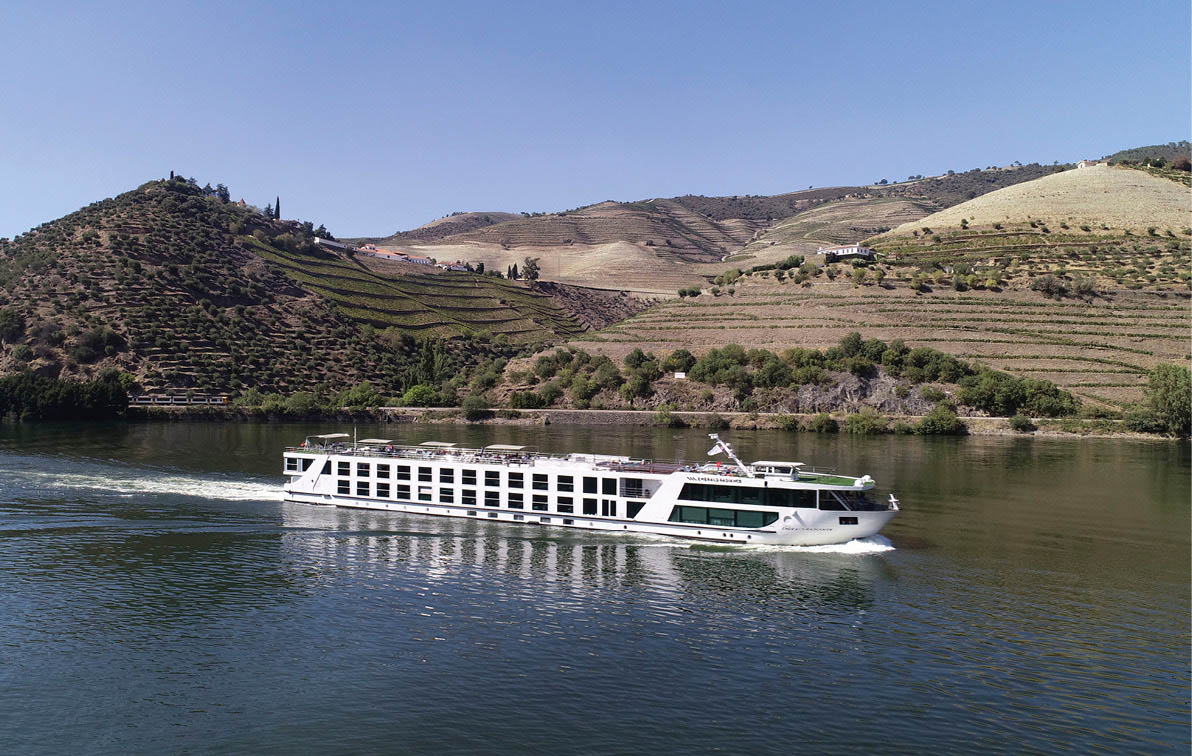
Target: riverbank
[(977, 426)]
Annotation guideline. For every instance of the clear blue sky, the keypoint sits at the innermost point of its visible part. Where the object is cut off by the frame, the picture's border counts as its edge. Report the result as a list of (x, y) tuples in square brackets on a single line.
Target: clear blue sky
[(374, 117)]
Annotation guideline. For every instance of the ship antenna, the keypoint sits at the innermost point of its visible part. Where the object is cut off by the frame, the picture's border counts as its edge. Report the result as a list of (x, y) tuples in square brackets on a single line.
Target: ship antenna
[(723, 446)]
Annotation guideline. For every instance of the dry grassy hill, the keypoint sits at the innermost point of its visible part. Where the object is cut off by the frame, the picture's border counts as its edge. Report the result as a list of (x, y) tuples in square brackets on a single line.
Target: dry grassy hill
[(1102, 197), (658, 246)]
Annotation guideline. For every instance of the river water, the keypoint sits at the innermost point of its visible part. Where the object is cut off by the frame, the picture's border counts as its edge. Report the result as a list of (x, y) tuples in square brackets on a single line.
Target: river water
[(157, 597)]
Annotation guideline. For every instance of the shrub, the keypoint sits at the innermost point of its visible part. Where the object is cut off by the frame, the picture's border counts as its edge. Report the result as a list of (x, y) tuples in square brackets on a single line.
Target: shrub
[(789, 423), (1022, 424), (932, 394), (418, 395), (302, 403), (1049, 286), (361, 395), (941, 421), (867, 422), (475, 407), (679, 360), (715, 421), (822, 423), (12, 325), (525, 400), (666, 417), (1141, 419), (1169, 397)]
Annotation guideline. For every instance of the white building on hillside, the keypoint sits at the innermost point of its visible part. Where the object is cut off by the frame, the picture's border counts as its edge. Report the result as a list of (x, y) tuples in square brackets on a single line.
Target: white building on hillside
[(831, 254)]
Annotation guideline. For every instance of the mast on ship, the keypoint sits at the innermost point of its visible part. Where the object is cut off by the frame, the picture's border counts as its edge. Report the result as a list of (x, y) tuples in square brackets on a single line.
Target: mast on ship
[(724, 446)]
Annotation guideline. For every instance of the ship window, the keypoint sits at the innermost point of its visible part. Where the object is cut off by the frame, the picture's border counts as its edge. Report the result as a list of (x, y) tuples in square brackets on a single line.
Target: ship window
[(568, 522), (517, 480), (539, 482), (516, 501), (492, 514), (362, 488), (362, 469), (446, 475), (425, 475), (633, 507), (848, 520), (750, 496), (492, 478), (403, 492), (790, 497), (306, 463), (492, 498), (589, 486), (382, 471), (544, 519), (610, 487), (424, 493), (446, 496), (345, 468), (632, 487), (566, 483), (724, 518), (382, 490), (539, 502), (403, 472), (469, 477), (469, 497), (590, 505), (291, 463), (565, 504), (326, 468), (344, 487), (519, 517), (608, 508)]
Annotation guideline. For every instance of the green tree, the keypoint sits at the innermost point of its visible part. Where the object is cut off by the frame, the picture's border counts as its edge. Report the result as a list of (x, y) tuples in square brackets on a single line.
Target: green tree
[(475, 408), (12, 325), (529, 270), (1169, 395)]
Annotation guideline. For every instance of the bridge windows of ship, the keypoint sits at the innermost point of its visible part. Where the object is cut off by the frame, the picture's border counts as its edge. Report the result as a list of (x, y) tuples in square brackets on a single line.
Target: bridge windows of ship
[(540, 483), (403, 472), (425, 475), (539, 503), (446, 475), (469, 497), (722, 518), (468, 477), (517, 480), (565, 505), (566, 483), (770, 497), (492, 498), (516, 501)]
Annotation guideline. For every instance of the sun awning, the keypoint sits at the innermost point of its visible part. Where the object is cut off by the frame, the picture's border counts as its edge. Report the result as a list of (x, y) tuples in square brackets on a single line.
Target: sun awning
[(329, 436), (439, 444), (503, 447), (375, 441)]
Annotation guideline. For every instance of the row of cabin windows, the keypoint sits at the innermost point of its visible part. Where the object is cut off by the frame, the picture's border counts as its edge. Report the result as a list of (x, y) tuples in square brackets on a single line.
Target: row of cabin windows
[(468, 497), (298, 464), (492, 478), (767, 497), (722, 518)]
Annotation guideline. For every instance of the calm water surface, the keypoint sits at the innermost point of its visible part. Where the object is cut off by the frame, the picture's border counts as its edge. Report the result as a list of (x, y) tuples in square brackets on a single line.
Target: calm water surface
[(157, 597)]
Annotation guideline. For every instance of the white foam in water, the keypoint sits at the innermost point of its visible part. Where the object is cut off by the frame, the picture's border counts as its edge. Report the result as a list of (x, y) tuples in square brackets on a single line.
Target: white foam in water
[(228, 490)]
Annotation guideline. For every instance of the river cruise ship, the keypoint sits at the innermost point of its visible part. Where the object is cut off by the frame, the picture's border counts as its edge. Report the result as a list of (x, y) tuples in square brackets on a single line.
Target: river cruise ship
[(766, 502)]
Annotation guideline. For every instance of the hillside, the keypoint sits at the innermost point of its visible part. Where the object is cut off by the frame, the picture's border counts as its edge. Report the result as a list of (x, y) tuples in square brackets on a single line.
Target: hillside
[(183, 290), (1103, 197), (657, 246), (1169, 153)]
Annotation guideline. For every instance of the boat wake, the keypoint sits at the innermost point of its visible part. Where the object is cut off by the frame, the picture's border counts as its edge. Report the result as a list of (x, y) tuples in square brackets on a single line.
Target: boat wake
[(875, 544), (133, 483)]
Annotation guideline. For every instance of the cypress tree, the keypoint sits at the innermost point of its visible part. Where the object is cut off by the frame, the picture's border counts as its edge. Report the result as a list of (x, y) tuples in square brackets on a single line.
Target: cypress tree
[(277, 209)]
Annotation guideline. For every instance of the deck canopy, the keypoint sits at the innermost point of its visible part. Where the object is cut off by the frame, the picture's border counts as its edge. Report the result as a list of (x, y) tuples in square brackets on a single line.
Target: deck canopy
[(381, 441), (503, 447), (437, 444), (330, 436), (770, 463)]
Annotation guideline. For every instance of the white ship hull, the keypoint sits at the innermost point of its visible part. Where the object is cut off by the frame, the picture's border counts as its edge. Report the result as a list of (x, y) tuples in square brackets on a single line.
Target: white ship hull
[(592, 492)]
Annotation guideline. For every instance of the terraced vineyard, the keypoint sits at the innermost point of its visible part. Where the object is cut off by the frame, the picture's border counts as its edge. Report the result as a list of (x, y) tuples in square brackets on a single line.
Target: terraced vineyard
[(445, 304), (1100, 350)]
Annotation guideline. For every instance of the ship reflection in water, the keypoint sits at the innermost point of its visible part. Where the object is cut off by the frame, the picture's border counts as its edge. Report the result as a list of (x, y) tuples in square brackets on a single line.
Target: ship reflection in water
[(444, 551)]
